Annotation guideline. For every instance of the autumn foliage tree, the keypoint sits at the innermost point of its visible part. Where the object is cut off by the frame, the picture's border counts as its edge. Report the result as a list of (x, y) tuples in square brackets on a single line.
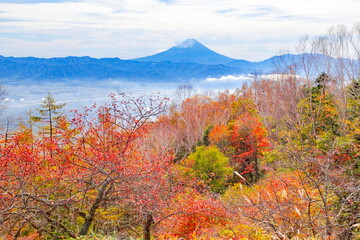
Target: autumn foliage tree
[(285, 205), (199, 216), (183, 128), (97, 167), (249, 141)]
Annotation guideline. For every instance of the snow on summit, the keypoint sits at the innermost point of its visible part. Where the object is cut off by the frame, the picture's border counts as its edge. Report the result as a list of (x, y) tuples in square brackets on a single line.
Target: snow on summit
[(187, 43)]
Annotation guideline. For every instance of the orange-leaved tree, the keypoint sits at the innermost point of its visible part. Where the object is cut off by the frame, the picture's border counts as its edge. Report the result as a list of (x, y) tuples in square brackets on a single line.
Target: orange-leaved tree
[(249, 141), (286, 205), (98, 171)]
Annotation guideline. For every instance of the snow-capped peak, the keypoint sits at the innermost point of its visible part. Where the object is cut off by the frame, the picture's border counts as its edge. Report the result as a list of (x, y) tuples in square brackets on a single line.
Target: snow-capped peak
[(187, 43)]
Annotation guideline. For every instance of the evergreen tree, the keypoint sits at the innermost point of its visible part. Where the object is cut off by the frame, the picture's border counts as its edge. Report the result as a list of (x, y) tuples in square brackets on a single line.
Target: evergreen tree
[(48, 113)]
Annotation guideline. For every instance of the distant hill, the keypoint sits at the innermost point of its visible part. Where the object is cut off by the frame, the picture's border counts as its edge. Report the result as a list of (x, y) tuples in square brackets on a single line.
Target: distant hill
[(189, 50), (86, 68)]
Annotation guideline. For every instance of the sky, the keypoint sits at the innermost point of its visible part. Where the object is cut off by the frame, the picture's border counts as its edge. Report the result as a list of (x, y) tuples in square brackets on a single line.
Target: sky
[(243, 29)]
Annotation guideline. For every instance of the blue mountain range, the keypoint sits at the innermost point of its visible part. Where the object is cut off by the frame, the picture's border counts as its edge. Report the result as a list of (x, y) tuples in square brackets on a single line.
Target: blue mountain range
[(189, 60)]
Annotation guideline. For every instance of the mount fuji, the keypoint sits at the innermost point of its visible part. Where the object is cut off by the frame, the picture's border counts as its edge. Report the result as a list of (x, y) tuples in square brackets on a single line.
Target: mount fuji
[(189, 50)]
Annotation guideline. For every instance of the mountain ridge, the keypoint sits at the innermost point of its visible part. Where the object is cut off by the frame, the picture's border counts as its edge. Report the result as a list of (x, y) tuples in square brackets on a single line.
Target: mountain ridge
[(99, 69), (188, 60)]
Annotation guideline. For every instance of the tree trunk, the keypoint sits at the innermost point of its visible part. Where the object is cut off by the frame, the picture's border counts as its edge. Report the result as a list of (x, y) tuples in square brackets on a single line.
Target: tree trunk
[(98, 201), (148, 222)]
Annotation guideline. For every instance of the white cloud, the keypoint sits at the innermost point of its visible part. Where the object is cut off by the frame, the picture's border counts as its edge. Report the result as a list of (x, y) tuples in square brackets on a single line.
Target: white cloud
[(249, 77), (7, 100), (231, 78), (251, 30)]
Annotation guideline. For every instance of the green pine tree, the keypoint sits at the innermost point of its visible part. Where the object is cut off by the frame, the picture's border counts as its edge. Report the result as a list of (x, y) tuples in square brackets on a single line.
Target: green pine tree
[(48, 113)]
